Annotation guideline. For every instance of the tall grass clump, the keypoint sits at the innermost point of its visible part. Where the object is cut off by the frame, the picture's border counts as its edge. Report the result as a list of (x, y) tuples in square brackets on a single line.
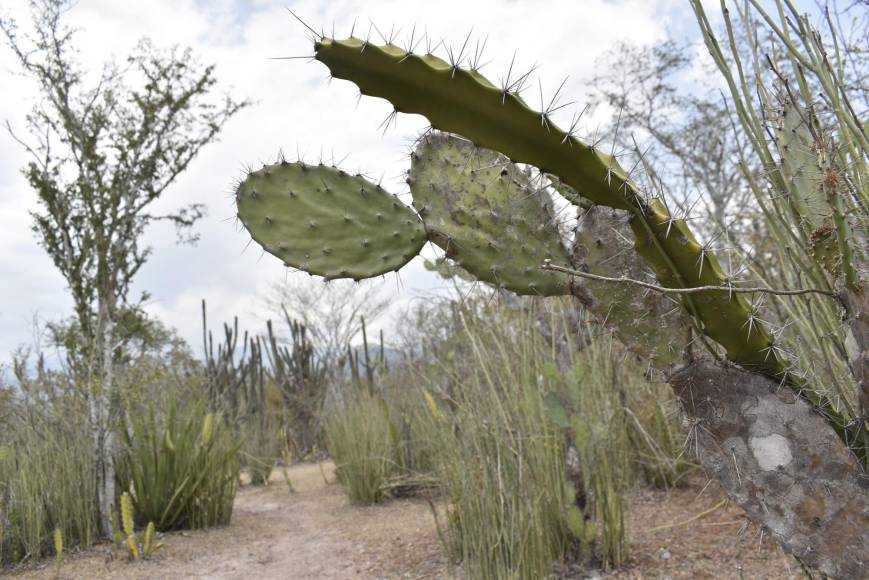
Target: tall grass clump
[(501, 461), (543, 426), (413, 433), (531, 425), (180, 466), (46, 484), (263, 443), (361, 441), (595, 389), (658, 443)]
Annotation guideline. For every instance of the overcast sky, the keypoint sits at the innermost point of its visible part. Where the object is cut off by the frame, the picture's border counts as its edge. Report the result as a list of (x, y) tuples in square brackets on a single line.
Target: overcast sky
[(294, 107)]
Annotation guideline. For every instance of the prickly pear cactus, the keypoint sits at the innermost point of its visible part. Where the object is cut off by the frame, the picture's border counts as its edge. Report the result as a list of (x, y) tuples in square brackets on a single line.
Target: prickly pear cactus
[(484, 213), (799, 165), (464, 102), (328, 222)]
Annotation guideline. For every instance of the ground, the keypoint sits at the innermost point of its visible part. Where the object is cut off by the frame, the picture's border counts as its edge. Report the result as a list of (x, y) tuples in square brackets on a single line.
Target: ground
[(316, 533)]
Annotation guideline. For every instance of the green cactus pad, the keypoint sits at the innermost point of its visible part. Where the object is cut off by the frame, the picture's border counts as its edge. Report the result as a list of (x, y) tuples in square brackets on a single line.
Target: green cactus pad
[(482, 211), (799, 165), (651, 324), (326, 222), (466, 103), (825, 249)]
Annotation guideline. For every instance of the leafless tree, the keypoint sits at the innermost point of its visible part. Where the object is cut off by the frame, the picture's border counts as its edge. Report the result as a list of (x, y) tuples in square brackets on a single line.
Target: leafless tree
[(332, 311)]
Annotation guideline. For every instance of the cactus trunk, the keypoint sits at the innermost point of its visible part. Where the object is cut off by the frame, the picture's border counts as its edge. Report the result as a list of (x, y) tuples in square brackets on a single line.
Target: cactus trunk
[(780, 461)]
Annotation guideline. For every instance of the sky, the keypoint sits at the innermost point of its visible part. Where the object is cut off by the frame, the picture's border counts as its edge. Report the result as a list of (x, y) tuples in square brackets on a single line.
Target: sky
[(295, 109)]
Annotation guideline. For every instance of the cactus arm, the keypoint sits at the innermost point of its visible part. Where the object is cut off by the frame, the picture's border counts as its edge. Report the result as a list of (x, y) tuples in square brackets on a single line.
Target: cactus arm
[(464, 102)]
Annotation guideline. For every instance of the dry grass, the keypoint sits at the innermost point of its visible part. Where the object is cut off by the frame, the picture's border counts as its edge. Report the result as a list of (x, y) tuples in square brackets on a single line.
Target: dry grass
[(317, 533)]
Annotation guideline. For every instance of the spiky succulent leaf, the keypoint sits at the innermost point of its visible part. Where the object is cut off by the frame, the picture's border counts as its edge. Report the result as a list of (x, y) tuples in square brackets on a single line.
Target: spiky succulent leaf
[(326, 222), (482, 211)]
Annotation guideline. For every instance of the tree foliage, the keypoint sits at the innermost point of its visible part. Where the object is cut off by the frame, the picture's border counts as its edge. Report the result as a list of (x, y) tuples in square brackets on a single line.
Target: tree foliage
[(104, 152)]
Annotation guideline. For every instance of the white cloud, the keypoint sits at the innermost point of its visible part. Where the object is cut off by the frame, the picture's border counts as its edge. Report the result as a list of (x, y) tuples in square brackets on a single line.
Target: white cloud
[(295, 107)]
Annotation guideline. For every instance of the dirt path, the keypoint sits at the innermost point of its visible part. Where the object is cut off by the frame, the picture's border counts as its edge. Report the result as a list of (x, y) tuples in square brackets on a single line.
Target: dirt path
[(313, 533), (316, 533)]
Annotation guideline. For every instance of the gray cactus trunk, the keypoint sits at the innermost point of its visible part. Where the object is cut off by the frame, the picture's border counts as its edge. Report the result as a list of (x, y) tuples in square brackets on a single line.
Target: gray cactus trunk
[(782, 462), (857, 339)]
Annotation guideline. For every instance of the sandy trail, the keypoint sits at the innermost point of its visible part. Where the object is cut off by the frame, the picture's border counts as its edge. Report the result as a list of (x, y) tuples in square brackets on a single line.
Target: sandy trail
[(315, 533)]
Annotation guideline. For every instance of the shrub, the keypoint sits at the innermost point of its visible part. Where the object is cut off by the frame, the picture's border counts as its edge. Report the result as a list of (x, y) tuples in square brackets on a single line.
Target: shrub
[(361, 441)]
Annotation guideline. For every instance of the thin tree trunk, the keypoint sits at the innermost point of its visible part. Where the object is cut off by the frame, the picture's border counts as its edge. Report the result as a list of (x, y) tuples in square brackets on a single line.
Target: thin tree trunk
[(102, 430)]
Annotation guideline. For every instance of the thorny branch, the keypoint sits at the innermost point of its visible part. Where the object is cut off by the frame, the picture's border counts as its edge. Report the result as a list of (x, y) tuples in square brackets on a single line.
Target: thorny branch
[(548, 265)]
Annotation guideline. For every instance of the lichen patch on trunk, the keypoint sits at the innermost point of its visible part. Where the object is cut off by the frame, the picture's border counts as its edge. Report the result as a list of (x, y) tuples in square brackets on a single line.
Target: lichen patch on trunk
[(771, 452)]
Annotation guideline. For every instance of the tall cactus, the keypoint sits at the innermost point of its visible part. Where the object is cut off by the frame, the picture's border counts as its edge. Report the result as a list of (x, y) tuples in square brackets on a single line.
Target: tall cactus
[(488, 219)]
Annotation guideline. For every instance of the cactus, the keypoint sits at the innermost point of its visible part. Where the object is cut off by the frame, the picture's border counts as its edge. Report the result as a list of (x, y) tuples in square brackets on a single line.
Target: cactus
[(799, 164), (484, 215), (58, 551), (326, 222), (602, 246), (483, 212), (130, 541), (464, 102), (456, 208), (149, 547), (126, 536)]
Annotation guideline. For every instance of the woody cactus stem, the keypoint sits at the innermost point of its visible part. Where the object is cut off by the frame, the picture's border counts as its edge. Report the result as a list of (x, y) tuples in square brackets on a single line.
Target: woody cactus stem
[(464, 102)]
